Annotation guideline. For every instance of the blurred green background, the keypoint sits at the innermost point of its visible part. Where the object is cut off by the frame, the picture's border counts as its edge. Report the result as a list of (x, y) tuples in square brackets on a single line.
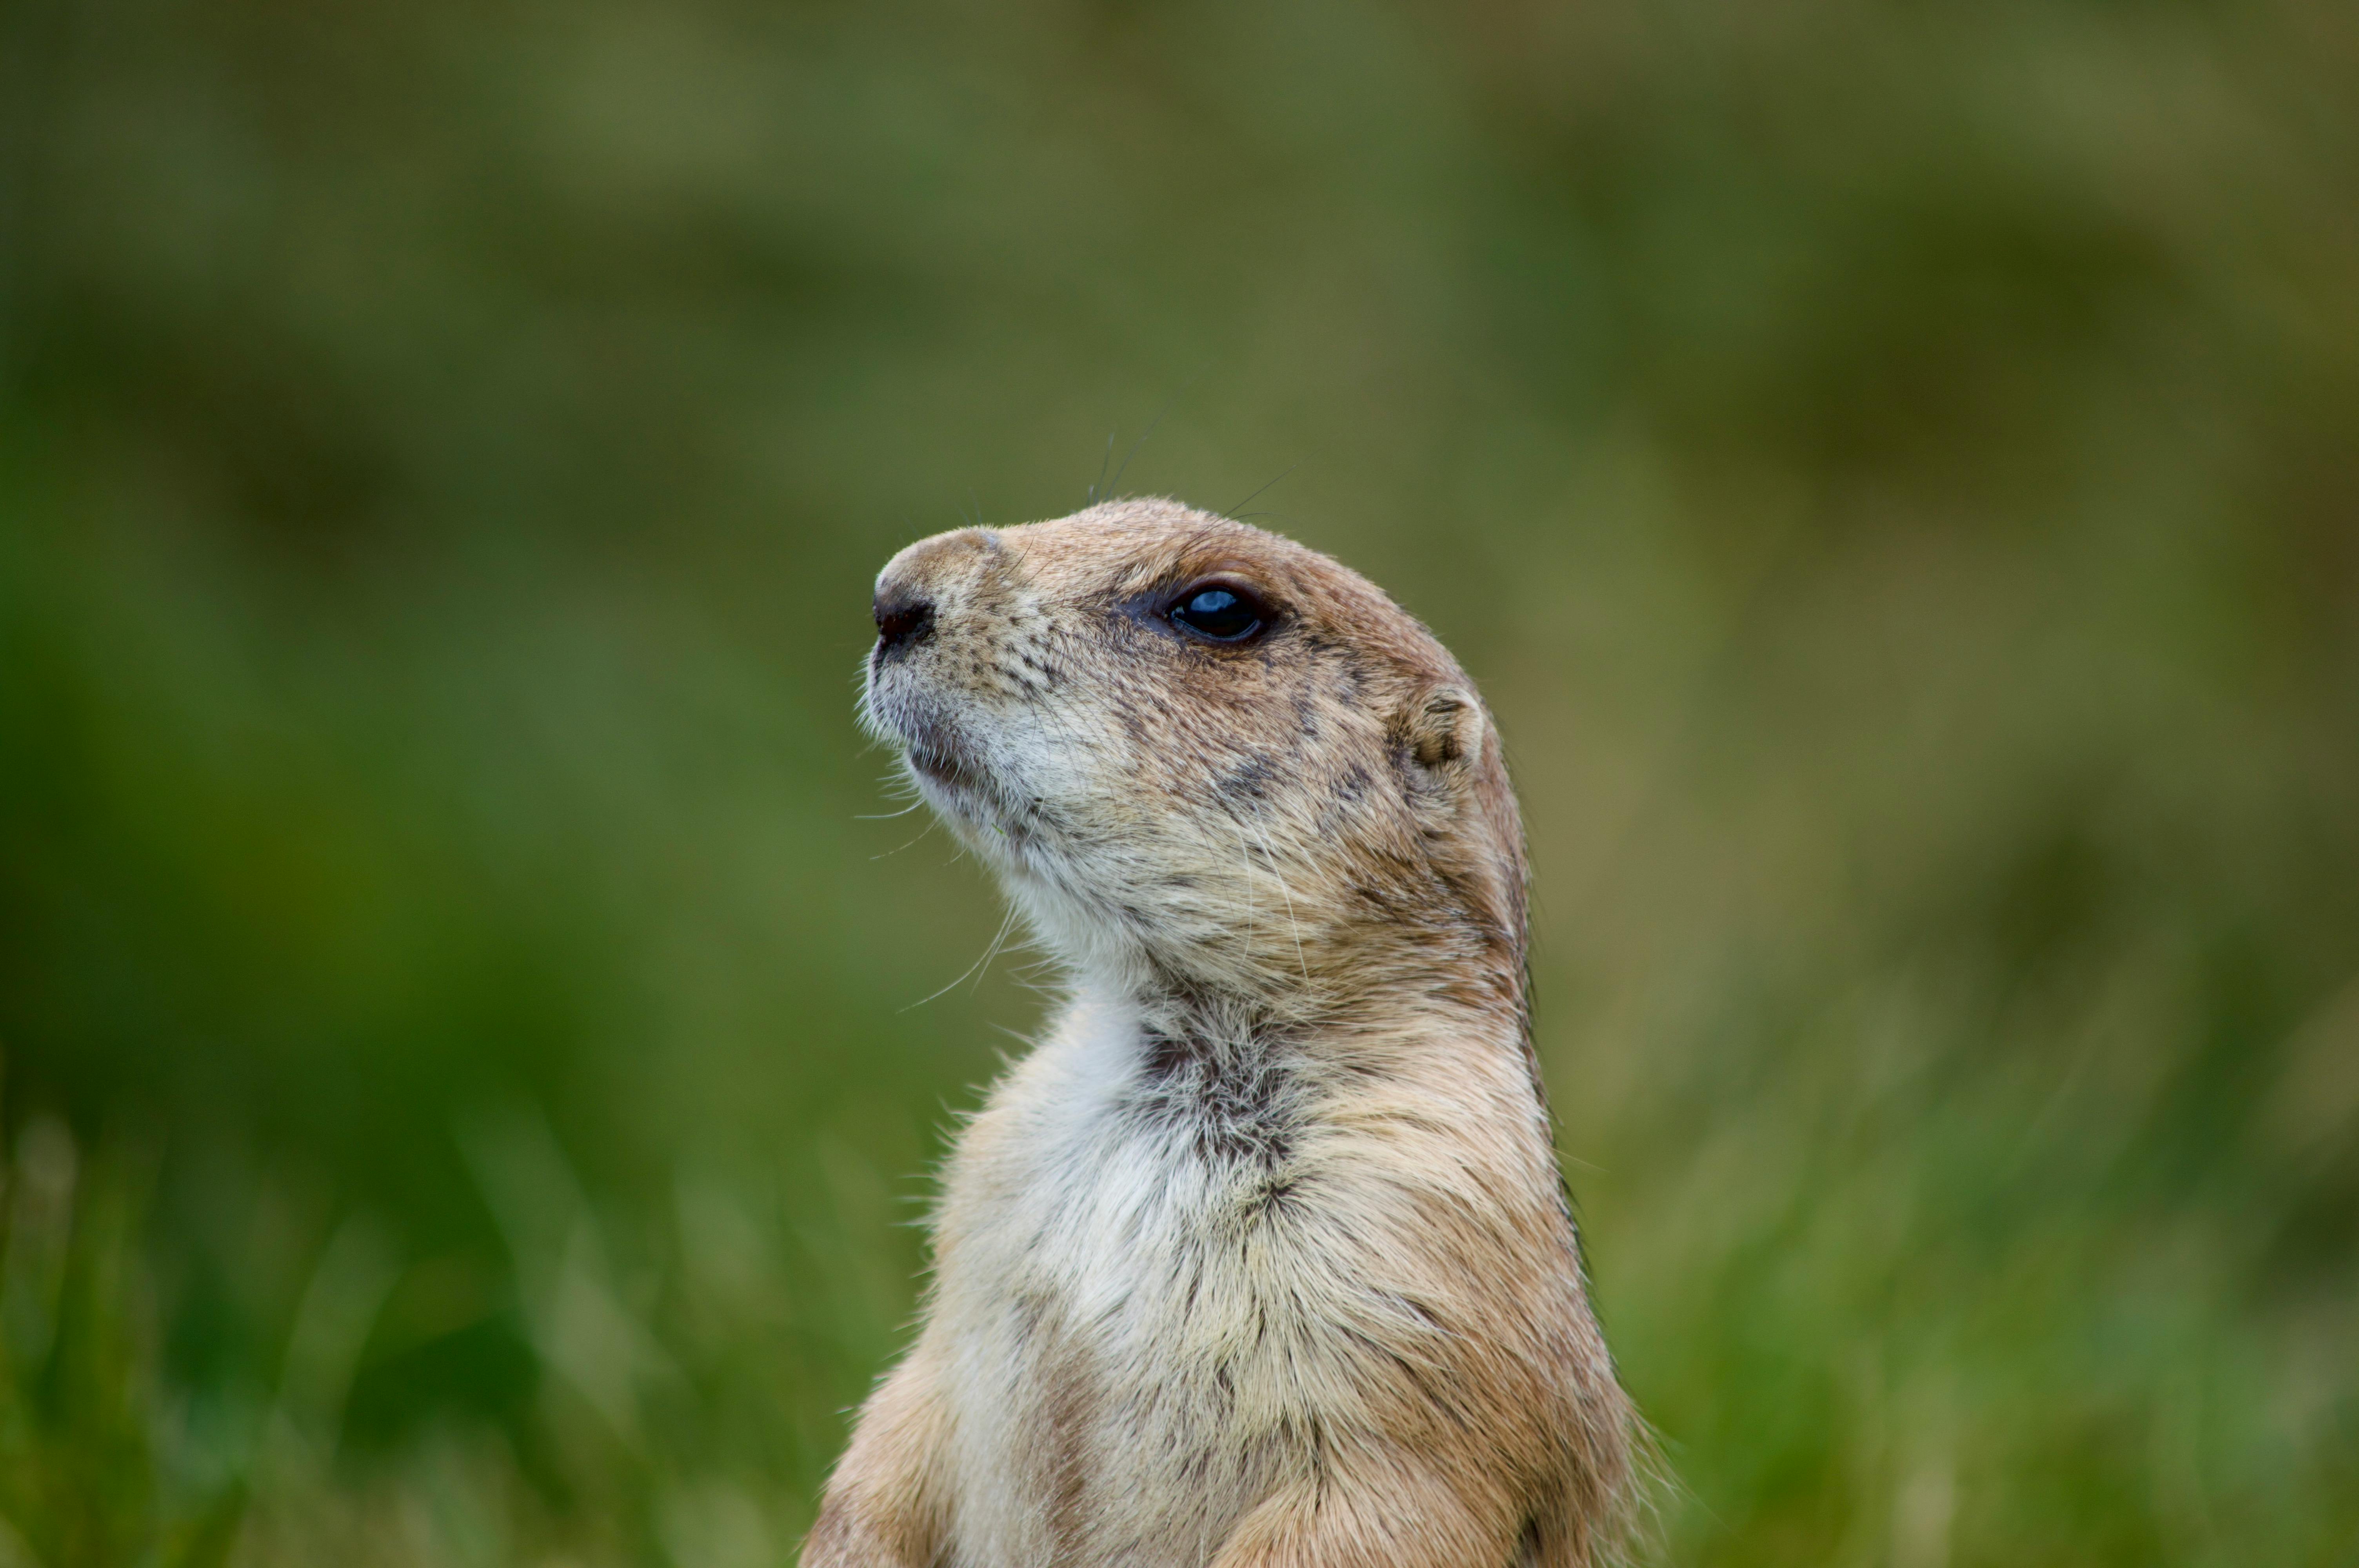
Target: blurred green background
[(1893, 469)]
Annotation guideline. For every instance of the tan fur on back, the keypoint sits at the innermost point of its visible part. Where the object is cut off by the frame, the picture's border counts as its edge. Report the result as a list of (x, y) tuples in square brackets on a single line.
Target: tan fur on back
[(1260, 1257)]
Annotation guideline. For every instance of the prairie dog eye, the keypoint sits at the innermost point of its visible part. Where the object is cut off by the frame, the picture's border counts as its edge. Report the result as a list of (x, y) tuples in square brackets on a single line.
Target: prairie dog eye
[(1219, 611)]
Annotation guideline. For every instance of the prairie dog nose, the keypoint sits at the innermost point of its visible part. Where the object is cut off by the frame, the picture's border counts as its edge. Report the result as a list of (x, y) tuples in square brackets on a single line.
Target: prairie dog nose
[(904, 616), (912, 584)]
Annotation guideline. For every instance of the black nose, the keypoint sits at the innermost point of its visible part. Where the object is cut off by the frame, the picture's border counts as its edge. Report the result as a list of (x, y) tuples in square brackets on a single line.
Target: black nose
[(903, 620)]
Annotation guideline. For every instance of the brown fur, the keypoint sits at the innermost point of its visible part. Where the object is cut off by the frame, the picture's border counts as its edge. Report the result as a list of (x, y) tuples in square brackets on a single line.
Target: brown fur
[(1261, 1257)]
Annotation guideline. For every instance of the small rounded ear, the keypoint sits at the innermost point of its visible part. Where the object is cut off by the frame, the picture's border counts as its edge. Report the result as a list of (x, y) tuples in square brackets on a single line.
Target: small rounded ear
[(1445, 727)]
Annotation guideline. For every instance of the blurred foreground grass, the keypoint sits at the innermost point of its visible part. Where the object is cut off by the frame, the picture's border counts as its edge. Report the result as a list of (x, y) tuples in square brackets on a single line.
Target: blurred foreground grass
[(1895, 471)]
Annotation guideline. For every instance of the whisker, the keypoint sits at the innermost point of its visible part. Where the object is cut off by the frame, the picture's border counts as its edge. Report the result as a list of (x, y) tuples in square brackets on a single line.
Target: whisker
[(1169, 403), (929, 826), (975, 969), (1100, 483), (1287, 893), (1238, 509)]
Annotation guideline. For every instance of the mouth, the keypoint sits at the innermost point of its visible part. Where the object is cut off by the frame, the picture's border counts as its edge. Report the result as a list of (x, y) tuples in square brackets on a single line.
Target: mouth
[(960, 781), (947, 763), (952, 771)]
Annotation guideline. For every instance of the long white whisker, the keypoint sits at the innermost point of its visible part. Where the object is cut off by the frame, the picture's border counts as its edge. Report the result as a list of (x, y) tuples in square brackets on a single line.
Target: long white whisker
[(913, 843), (1287, 894), (975, 969), (998, 945), (1253, 914)]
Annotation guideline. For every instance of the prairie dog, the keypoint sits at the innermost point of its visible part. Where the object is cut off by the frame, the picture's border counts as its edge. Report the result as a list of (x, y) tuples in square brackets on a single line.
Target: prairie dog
[(1260, 1257)]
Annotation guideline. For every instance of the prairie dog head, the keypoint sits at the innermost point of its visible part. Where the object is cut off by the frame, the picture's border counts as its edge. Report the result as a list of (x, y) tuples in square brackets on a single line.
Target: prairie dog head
[(1204, 760)]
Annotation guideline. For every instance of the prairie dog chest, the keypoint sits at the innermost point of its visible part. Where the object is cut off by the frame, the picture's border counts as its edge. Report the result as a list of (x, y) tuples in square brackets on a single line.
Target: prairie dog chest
[(1100, 1170), (1106, 1307), (1109, 1213)]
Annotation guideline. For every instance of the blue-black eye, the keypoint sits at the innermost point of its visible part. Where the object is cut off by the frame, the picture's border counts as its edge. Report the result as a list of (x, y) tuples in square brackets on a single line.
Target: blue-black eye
[(1222, 614)]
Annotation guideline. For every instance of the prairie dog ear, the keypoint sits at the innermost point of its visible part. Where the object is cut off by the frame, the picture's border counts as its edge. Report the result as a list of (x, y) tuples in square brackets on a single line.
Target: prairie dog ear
[(1445, 727)]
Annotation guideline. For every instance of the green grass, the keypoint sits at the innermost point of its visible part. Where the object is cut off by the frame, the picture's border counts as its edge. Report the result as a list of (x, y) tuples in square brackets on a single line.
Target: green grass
[(1892, 471)]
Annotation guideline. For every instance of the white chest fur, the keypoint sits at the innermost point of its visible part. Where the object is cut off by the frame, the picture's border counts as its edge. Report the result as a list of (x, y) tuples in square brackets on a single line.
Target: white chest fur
[(1113, 1301)]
